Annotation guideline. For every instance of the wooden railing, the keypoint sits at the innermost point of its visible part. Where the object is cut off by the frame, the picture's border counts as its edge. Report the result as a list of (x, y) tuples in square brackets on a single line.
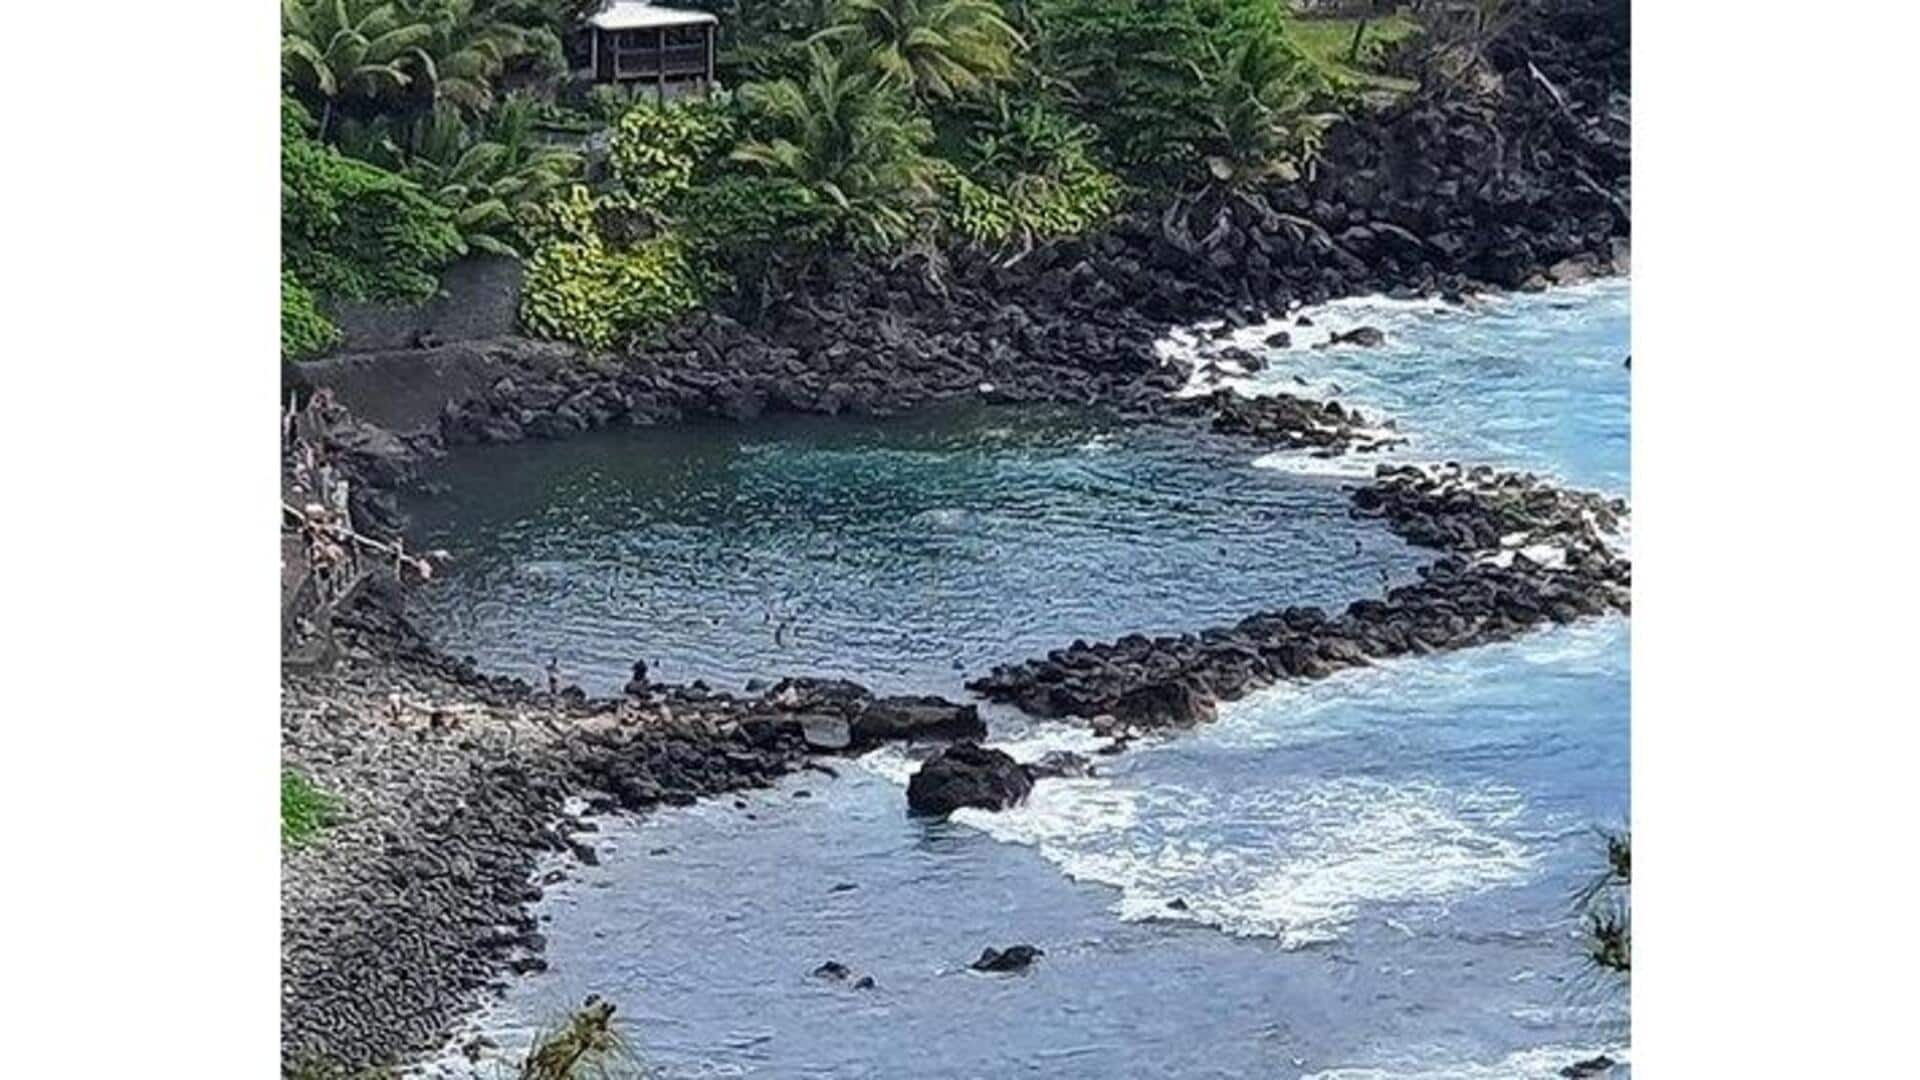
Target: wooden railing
[(647, 63)]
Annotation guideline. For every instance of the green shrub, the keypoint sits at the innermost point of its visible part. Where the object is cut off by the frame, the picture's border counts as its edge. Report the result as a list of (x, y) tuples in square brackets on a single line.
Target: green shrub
[(354, 230), (581, 287), (657, 151), (304, 331), (737, 220), (1029, 175), (304, 809)]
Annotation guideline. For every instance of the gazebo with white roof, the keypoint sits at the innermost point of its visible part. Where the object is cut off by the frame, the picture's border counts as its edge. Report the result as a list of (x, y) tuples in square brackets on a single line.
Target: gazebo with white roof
[(634, 42)]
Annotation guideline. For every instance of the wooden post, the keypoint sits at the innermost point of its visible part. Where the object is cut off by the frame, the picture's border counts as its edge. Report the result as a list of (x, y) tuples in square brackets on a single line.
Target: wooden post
[(593, 46), (660, 67), (708, 88)]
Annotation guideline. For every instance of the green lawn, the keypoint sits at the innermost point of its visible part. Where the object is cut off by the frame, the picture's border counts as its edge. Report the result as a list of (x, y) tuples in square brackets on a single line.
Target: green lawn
[(1330, 41)]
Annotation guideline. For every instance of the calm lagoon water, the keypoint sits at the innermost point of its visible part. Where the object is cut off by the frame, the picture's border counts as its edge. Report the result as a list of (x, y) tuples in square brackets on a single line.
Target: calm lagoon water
[(1376, 873)]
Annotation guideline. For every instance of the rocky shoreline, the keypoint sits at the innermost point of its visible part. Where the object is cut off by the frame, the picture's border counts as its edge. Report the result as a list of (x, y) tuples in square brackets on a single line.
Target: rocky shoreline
[(454, 786), (1430, 197), (459, 785), (1516, 553)]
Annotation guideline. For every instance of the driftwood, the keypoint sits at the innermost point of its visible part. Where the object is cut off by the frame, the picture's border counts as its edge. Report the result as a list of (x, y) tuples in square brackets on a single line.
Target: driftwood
[(1553, 91)]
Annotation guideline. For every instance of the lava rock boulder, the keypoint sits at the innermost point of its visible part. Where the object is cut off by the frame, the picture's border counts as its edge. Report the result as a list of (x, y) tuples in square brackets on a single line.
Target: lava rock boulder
[(1364, 336), (967, 774), (1174, 703), (917, 718), (1012, 958)]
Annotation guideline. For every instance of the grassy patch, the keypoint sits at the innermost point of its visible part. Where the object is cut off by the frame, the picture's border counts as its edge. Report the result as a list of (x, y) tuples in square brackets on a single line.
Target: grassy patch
[(585, 1044), (1329, 43), (304, 809)]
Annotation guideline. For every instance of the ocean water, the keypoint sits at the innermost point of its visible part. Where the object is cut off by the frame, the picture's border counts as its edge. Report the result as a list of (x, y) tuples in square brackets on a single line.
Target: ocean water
[(902, 553), (1375, 875)]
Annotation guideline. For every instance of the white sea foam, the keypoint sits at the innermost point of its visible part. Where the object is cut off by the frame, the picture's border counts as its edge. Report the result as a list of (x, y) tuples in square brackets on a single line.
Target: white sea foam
[(1292, 714), (1534, 1063), (897, 761), (1296, 865), (891, 761), (1303, 862), (1549, 555), (1426, 363), (1304, 463)]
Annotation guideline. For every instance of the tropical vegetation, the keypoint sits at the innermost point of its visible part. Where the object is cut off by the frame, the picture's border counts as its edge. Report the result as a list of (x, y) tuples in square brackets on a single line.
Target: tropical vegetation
[(930, 48), (422, 131)]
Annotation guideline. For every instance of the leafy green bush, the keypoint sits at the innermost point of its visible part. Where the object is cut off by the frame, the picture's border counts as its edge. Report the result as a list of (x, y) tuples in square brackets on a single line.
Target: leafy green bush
[(354, 230), (304, 331), (304, 809), (1029, 174), (1260, 97), (658, 150), (762, 40), (582, 288), (736, 220)]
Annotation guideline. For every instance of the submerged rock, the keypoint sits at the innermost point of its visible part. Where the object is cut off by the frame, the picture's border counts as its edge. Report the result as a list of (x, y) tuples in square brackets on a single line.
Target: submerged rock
[(835, 971), (1060, 763), (1366, 336), (967, 774), (1012, 958)]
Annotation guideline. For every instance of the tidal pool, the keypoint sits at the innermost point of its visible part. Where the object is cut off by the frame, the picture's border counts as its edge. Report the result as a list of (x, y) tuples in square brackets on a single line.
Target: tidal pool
[(1374, 875)]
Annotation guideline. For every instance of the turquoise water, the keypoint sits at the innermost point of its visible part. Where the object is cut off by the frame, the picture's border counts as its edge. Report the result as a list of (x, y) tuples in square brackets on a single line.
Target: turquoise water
[(1376, 873)]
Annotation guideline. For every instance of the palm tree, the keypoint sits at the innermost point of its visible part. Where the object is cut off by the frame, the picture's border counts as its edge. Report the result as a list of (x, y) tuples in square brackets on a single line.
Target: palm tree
[(340, 51), (843, 134), (466, 51), (936, 48), (1258, 92), (487, 179), (374, 56)]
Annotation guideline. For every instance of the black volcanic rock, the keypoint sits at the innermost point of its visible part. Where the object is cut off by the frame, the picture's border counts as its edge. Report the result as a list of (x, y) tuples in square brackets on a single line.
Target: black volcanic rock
[(1012, 958), (967, 774)]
